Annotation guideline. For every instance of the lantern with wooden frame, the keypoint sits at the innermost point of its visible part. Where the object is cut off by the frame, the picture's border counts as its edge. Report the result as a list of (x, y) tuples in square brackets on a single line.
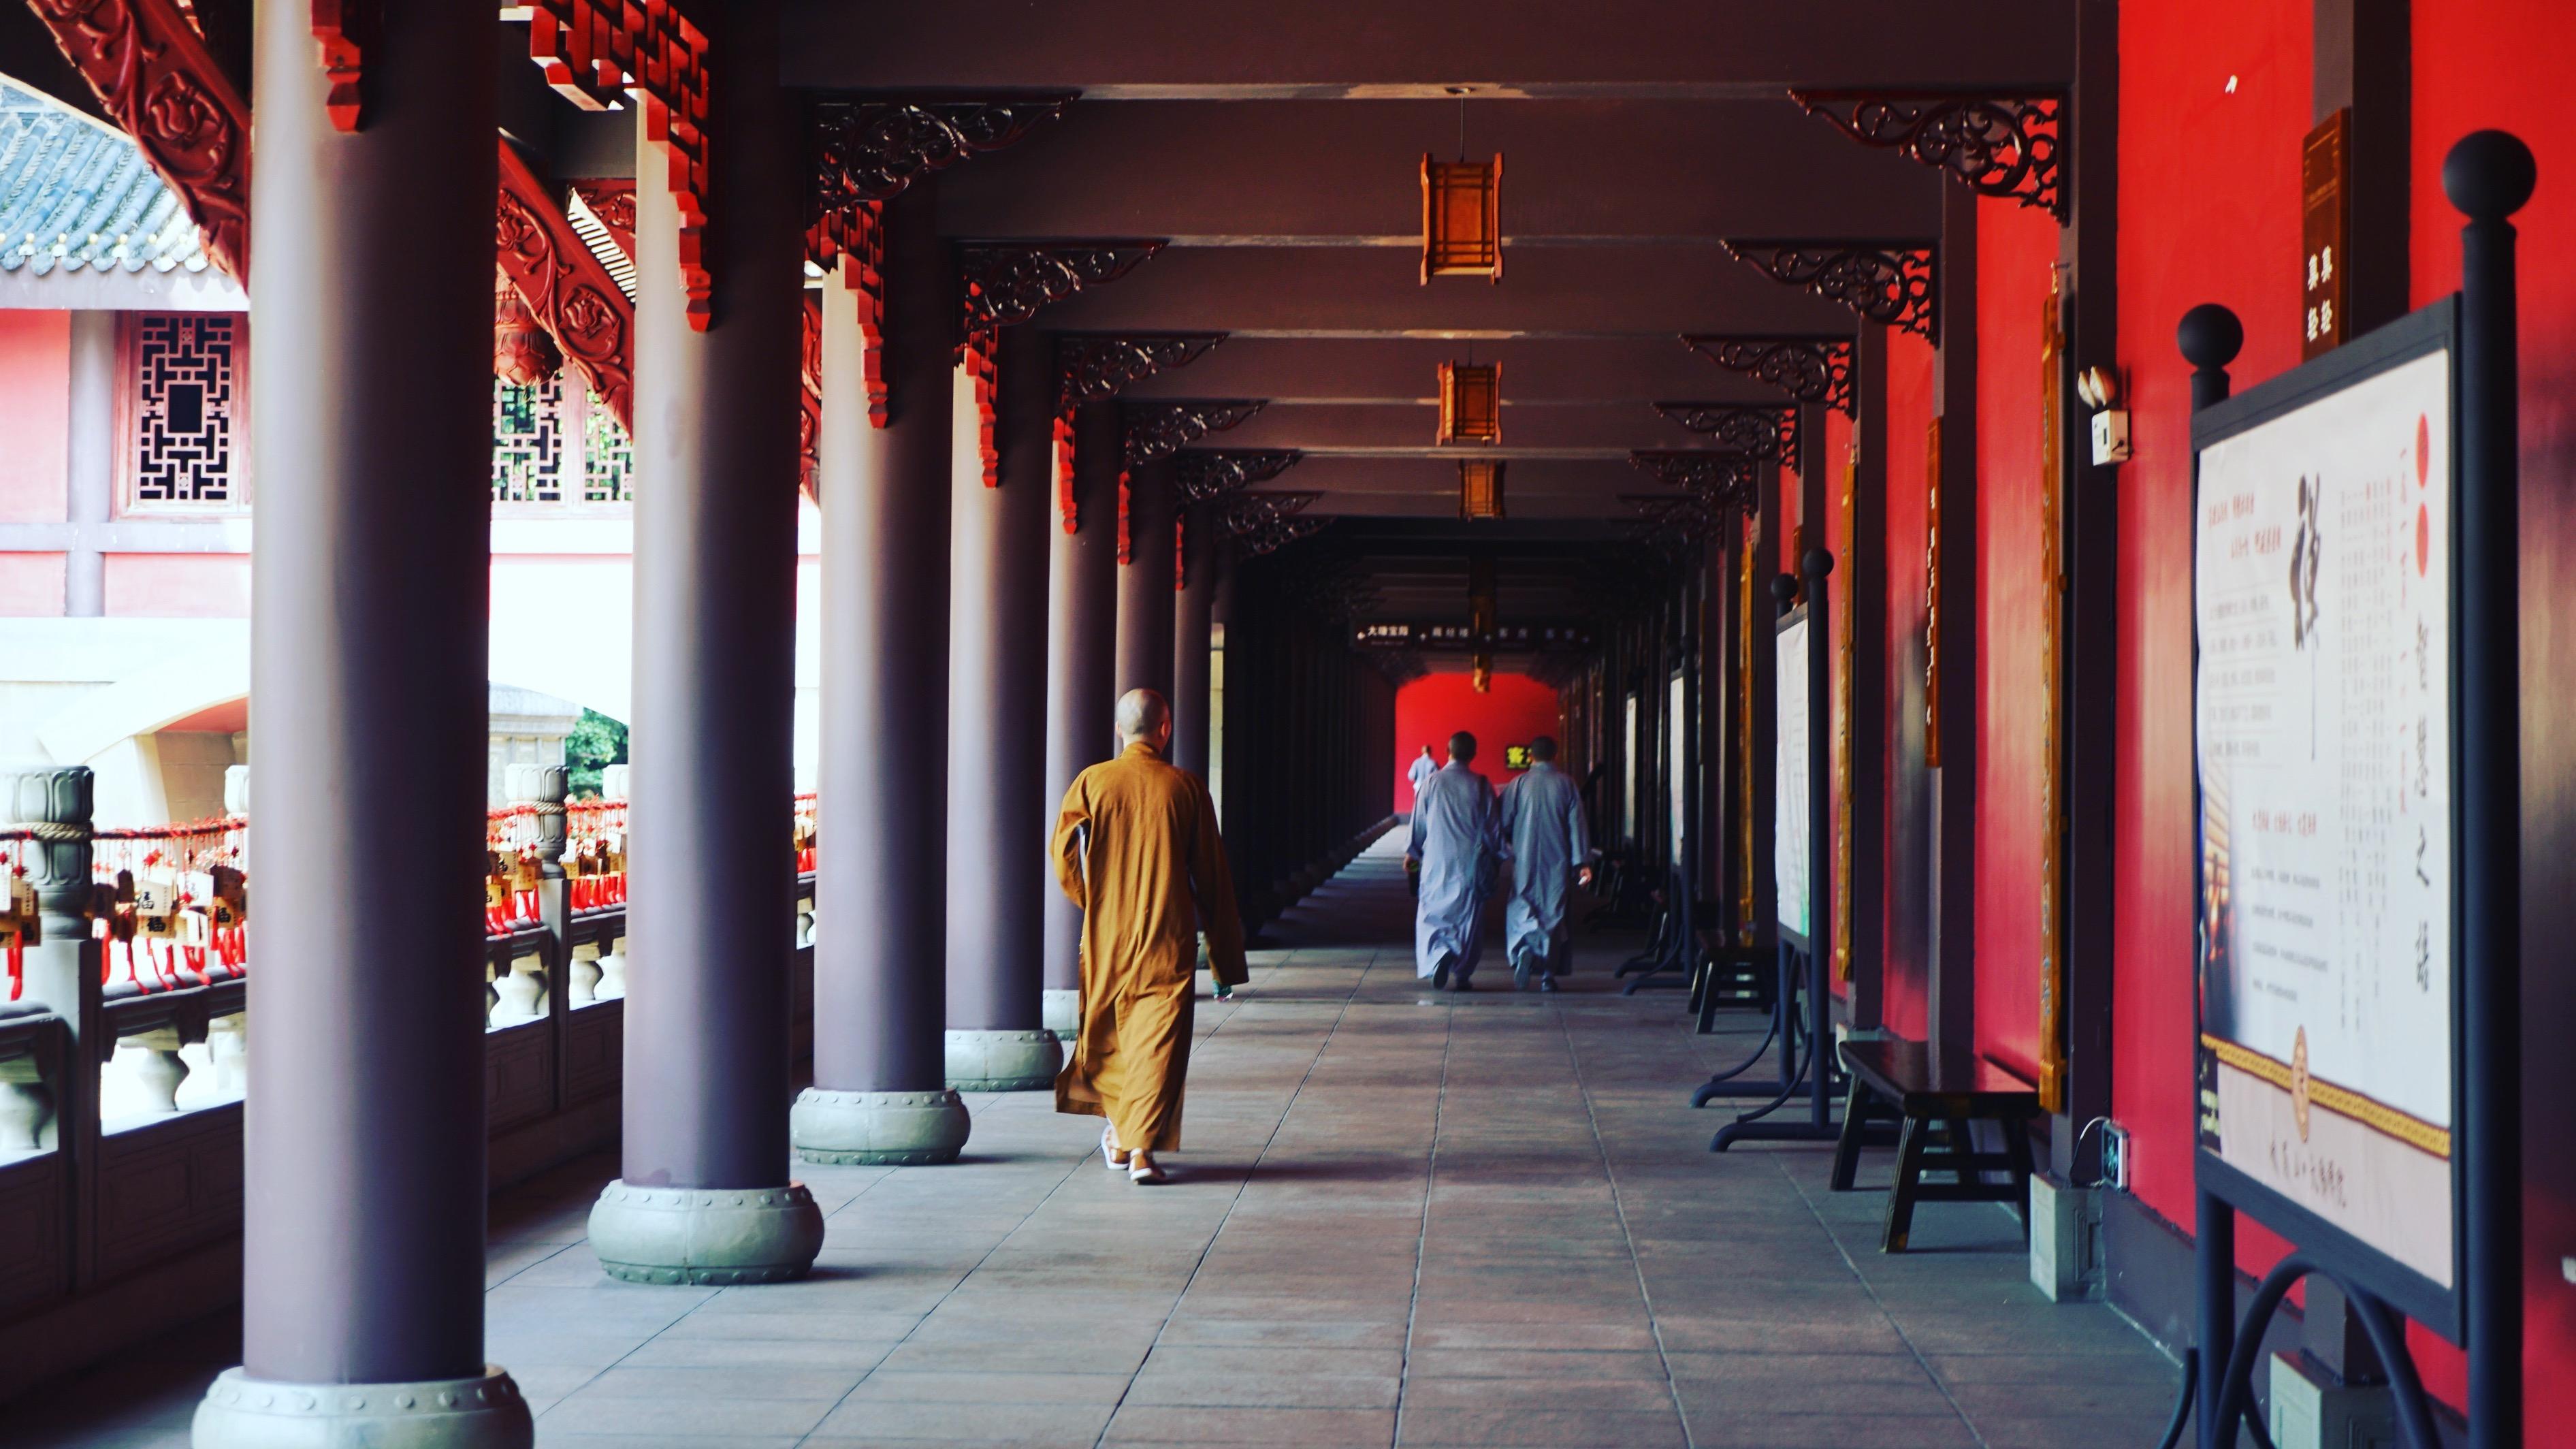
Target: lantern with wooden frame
[(1480, 488), (1462, 229), (1471, 403)]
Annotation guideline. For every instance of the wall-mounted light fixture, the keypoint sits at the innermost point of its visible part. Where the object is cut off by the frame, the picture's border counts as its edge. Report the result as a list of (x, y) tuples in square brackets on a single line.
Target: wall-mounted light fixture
[(2100, 390)]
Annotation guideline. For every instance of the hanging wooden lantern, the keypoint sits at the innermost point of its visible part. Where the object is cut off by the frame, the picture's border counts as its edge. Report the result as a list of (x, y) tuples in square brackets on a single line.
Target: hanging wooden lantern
[(1471, 403), (1480, 488), (1484, 667), (1462, 229)]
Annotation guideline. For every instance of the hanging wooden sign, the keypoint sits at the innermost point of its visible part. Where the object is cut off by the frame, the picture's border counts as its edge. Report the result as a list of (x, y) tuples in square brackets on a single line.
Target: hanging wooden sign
[(2325, 231)]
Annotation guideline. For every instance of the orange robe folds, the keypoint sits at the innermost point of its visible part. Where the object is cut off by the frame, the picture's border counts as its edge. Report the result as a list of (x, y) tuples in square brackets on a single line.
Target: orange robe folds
[(1136, 847)]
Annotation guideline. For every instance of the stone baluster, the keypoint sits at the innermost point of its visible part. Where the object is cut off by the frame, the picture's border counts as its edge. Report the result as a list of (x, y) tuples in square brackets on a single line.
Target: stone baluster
[(52, 802), (149, 1074), (544, 788)]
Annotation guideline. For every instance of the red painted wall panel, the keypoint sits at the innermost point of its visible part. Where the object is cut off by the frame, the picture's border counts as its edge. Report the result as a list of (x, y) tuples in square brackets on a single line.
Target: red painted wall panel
[(2216, 96), (1430, 709), (1905, 897), (35, 416), (2504, 63), (2016, 250)]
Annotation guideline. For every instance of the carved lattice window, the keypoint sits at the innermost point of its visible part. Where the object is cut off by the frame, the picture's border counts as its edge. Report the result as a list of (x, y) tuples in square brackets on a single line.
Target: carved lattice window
[(556, 442), (184, 413)]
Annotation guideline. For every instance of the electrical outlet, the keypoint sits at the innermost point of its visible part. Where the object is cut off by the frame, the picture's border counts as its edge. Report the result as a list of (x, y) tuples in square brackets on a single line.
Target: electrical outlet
[(2115, 1156)]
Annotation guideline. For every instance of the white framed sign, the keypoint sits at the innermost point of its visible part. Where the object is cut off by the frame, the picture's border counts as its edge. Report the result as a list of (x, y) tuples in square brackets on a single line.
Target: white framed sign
[(1792, 852), (2323, 618)]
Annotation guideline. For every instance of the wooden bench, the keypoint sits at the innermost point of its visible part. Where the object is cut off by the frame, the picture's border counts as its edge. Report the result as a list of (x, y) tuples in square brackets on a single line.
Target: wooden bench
[(1902, 1079)]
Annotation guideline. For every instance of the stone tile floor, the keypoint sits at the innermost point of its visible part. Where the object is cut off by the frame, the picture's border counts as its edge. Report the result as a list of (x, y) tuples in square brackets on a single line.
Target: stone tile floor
[(1401, 1219)]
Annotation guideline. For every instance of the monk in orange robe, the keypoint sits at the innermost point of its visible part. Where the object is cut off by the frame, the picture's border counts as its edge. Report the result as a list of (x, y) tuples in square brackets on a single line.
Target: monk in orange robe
[(1136, 847)]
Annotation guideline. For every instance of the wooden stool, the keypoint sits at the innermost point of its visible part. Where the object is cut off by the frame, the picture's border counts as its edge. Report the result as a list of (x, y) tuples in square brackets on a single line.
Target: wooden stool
[(1901, 1078)]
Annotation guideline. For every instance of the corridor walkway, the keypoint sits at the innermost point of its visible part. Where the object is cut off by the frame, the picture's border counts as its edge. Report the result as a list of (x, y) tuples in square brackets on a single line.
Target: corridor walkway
[(1401, 1218)]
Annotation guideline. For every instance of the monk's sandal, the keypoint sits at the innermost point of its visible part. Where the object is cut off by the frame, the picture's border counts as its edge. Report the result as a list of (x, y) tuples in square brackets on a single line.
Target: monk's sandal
[(1109, 1148), (1147, 1174)]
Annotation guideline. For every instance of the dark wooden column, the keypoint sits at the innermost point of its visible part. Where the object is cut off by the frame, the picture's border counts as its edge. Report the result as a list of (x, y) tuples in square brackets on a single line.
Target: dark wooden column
[(880, 1093), (1951, 1010), (1864, 565), (704, 1195), (1082, 643), (363, 1238), (1202, 556), (1145, 583), (999, 807)]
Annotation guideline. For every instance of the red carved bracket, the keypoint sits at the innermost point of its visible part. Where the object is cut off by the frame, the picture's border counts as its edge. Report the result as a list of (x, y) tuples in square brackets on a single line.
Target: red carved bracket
[(809, 416), (340, 26), (852, 239), (981, 358), (567, 290), (598, 52), (612, 200), (154, 76)]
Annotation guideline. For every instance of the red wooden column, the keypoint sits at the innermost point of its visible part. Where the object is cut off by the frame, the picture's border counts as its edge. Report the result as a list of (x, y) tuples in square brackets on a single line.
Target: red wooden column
[(1082, 640), (880, 1093), (999, 807), (704, 1195), (362, 1315)]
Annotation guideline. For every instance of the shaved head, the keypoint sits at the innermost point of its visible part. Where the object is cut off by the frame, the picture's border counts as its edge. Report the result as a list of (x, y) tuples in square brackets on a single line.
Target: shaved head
[(1144, 715), (1462, 747)]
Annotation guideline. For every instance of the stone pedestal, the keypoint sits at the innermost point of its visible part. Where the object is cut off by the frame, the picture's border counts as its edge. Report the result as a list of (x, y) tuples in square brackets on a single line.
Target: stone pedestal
[(1003, 1061), (704, 1194), (481, 1411), (879, 1129)]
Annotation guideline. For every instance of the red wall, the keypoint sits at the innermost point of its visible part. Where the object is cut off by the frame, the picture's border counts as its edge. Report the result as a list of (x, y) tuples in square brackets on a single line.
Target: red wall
[(2016, 249), (1432, 708), (35, 416), (1906, 875), (2503, 63)]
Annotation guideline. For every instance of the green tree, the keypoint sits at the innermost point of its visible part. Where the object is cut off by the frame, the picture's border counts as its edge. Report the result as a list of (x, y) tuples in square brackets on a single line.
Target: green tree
[(595, 742)]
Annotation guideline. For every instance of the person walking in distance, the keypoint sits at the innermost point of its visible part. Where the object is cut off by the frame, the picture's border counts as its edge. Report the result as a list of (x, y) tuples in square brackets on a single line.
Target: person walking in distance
[(1136, 847), (1422, 769), (1542, 827), (1454, 847)]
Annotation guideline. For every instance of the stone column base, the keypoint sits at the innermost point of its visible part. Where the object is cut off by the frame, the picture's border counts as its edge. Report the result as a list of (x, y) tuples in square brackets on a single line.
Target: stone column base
[(705, 1235), (1061, 1011), (878, 1129), (485, 1412), (1003, 1061)]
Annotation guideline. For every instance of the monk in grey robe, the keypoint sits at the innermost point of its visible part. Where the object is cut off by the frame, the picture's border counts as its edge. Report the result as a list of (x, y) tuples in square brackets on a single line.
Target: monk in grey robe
[(1542, 827), (1456, 850), (1136, 847)]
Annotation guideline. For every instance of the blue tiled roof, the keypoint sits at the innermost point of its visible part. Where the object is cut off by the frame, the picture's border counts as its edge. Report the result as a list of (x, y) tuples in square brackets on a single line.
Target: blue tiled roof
[(75, 194)]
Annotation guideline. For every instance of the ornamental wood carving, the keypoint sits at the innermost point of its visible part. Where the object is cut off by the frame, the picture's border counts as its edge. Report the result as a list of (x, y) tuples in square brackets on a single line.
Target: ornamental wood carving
[(154, 76), (1007, 282), (567, 290), (612, 200), (1889, 282), (1263, 523), (1159, 429), (1097, 367), (1200, 474), (1723, 480), (1765, 430), (522, 354), (870, 151), (980, 356), (1669, 519), (850, 242), (809, 397), (1810, 369), (597, 54), (343, 29), (2007, 146)]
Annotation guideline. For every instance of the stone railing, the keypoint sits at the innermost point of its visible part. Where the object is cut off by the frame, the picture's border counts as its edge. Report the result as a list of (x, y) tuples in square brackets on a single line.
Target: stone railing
[(124, 1057)]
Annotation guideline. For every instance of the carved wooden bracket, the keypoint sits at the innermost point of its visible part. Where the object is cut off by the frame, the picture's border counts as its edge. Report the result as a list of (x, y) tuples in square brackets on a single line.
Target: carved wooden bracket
[(1095, 367), (1199, 474), (154, 76), (1005, 284), (1719, 479), (343, 28), (1670, 519), (1768, 430), (1891, 282), (612, 201), (565, 287), (1261, 523), (1810, 369), (809, 397), (870, 150), (596, 53), (2008, 145), (1158, 430)]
